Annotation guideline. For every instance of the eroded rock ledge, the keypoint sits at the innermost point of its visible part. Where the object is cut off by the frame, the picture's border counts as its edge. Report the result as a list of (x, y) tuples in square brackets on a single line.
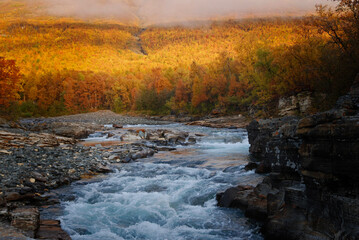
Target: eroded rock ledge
[(312, 187)]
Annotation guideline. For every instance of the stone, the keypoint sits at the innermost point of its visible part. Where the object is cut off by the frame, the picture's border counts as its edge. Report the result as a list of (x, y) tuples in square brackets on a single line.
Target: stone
[(39, 177), (238, 121), (250, 166), (26, 219), (234, 197), (8, 232), (192, 140), (12, 196), (51, 229), (103, 169), (300, 104), (113, 157), (127, 159)]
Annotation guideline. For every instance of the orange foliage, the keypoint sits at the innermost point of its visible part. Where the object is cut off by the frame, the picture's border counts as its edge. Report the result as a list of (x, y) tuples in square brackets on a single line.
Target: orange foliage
[(9, 82)]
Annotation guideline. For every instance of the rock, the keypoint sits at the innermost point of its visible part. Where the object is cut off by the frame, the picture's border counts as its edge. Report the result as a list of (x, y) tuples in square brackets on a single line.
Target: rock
[(113, 157), (9, 139), (127, 159), (274, 144), (12, 196), (103, 169), (244, 197), (143, 154), (192, 140), (26, 219), (250, 166), (234, 197), (238, 121), (51, 229), (11, 233), (295, 105), (110, 135), (143, 134), (117, 126), (130, 137), (166, 149), (5, 152), (72, 130), (38, 177)]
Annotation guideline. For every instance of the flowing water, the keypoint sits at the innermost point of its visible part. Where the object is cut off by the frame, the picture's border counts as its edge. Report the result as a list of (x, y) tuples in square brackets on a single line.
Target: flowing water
[(168, 196)]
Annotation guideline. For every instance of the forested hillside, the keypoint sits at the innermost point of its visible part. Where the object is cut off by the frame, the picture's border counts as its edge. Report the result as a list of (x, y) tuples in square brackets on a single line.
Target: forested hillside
[(53, 66)]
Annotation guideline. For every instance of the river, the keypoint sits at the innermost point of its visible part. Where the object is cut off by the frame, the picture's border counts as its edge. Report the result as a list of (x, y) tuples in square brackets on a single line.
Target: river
[(168, 196)]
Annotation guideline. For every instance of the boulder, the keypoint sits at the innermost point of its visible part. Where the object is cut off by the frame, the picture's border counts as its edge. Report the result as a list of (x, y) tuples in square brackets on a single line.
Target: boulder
[(26, 219), (51, 229), (300, 104), (245, 198)]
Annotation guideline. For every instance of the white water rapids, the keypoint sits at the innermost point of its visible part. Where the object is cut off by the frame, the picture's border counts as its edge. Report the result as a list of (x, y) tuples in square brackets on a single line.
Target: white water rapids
[(169, 196)]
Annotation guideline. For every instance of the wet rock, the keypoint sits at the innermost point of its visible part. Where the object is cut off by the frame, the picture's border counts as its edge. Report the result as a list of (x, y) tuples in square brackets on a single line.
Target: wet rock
[(127, 159), (26, 219), (166, 149), (235, 197), (250, 166), (143, 154), (192, 140), (51, 229), (103, 169), (245, 198), (143, 134), (130, 137)]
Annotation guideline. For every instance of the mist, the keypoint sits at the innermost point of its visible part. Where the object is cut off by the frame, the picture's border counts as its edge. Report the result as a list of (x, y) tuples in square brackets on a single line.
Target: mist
[(162, 11)]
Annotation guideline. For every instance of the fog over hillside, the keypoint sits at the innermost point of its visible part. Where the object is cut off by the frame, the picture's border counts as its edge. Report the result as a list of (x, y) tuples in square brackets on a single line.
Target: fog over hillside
[(159, 11)]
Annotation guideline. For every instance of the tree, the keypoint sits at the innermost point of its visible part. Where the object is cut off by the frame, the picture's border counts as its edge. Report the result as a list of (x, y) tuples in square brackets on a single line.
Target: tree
[(342, 25), (9, 82)]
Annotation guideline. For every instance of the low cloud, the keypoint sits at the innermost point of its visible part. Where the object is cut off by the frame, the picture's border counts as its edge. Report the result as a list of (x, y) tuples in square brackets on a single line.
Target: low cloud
[(158, 11)]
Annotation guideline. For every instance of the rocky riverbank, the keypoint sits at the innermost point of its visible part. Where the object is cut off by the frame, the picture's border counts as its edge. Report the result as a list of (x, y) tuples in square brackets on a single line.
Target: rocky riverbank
[(312, 187), (39, 155)]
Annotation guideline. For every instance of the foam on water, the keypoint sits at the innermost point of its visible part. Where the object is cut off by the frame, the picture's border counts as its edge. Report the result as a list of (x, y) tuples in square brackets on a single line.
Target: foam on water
[(158, 199)]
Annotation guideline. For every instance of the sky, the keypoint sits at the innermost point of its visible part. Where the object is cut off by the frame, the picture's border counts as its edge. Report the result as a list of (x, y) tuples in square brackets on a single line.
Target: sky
[(157, 11)]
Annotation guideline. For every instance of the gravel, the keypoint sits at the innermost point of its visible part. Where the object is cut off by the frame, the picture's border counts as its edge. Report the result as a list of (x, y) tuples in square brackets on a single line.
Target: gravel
[(100, 117)]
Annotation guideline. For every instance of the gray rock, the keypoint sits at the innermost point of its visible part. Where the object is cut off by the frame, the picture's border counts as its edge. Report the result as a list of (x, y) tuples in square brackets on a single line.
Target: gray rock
[(26, 219)]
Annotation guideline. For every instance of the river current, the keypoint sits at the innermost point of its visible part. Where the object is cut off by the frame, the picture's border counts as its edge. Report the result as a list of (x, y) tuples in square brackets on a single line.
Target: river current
[(168, 196)]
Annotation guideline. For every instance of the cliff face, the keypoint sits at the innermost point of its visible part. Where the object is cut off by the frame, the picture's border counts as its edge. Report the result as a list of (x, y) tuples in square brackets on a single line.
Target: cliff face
[(313, 165)]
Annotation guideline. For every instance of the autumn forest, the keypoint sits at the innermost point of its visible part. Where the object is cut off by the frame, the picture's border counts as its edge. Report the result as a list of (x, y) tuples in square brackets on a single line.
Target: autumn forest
[(52, 66)]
